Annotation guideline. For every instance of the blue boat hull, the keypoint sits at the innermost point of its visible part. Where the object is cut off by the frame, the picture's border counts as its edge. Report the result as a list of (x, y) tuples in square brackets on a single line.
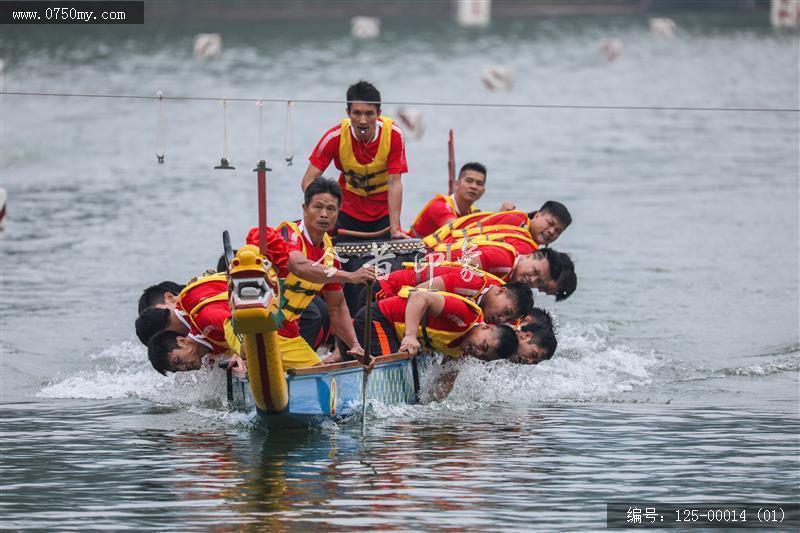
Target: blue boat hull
[(335, 393)]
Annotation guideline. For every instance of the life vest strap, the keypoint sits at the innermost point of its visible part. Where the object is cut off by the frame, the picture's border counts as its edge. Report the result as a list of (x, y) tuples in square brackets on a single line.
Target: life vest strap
[(298, 287), (424, 328)]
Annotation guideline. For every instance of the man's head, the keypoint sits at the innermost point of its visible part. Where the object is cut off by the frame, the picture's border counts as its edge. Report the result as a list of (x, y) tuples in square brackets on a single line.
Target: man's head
[(506, 303), (488, 342), (538, 269), (165, 292), (471, 183), (536, 344), (170, 351), (151, 321), (363, 109), (323, 197), (567, 280), (537, 317), (549, 222)]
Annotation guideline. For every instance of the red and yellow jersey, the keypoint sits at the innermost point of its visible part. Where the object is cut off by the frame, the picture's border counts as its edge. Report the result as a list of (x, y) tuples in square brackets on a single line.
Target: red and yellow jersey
[(497, 258), (374, 204), (457, 279), (444, 332), (436, 213), (203, 307), (298, 239)]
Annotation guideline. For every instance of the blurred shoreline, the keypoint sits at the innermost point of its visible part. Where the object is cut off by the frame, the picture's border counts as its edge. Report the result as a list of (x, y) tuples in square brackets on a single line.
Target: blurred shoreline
[(315, 9)]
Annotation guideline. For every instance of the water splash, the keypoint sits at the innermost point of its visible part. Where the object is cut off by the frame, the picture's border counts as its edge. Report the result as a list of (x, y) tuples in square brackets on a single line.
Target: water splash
[(764, 369), (123, 371), (586, 367)]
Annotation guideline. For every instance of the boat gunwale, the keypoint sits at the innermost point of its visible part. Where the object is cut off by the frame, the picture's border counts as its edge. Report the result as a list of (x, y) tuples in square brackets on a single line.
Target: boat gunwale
[(335, 367)]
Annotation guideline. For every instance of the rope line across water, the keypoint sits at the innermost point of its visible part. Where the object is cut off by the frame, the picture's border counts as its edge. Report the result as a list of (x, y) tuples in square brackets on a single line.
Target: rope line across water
[(420, 104)]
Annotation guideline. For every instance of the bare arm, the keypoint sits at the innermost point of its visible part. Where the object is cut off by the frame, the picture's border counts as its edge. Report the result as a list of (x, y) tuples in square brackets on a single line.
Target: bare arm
[(341, 325), (302, 267), (311, 174), (420, 304), (395, 198)]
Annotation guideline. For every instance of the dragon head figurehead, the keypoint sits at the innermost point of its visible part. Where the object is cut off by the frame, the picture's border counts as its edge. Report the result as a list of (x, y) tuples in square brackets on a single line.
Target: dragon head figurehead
[(254, 291)]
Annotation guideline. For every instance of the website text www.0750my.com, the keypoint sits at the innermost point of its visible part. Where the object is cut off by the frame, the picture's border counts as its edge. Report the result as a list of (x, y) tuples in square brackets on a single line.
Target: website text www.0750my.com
[(67, 14), (72, 12)]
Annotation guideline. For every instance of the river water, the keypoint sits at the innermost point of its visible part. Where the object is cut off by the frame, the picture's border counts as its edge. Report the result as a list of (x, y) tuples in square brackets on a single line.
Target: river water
[(676, 377)]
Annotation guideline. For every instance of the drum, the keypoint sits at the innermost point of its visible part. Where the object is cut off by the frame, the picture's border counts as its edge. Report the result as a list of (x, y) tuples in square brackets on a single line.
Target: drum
[(389, 255)]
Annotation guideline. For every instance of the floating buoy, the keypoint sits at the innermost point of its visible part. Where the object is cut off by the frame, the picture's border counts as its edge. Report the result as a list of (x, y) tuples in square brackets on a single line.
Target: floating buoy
[(785, 13), (474, 13), (611, 49), (663, 28), (365, 27), (2, 209), (207, 45), (412, 121), (498, 78)]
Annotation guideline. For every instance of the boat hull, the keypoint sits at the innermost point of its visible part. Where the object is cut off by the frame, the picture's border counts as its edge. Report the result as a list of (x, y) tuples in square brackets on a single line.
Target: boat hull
[(333, 392)]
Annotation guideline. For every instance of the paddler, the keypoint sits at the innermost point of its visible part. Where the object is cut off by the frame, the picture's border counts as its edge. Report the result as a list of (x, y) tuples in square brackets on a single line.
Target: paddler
[(199, 325), (313, 268), (469, 187), (542, 270), (446, 323), (369, 151), (539, 228), (537, 343)]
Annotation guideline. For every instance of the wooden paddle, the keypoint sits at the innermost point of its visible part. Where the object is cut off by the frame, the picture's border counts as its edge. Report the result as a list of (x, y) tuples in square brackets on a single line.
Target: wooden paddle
[(367, 356)]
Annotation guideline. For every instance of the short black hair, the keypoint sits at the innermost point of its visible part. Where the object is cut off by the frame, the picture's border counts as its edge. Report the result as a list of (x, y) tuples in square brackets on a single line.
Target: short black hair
[(543, 337), (567, 281), (322, 185), (158, 348), (155, 294), (473, 165), (363, 91), (509, 342), (522, 297), (558, 210), (151, 321), (555, 260), (540, 317)]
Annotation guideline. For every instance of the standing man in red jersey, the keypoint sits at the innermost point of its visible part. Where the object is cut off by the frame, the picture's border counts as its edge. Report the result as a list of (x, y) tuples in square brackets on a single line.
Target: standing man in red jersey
[(369, 151)]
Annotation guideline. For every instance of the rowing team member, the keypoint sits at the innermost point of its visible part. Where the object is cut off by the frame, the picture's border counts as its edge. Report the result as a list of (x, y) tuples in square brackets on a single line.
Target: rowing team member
[(181, 325), (369, 152)]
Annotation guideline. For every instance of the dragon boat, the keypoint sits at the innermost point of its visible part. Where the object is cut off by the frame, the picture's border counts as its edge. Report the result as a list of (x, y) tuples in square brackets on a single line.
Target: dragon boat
[(300, 397)]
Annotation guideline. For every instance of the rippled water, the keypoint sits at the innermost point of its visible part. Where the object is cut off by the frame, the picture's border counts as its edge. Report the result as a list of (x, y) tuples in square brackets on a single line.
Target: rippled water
[(677, 372)]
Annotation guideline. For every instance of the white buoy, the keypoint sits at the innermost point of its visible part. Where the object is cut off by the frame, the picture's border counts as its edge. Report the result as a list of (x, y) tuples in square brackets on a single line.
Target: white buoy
[(412, 121), (474, 13), (498, 78), (663, 28), (3, 197), (365, 27), (611, 49), (785, 13), (207, 45)]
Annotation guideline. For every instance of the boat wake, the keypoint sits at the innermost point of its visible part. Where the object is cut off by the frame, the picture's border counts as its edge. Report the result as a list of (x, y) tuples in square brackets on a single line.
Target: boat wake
[(587, 367)]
